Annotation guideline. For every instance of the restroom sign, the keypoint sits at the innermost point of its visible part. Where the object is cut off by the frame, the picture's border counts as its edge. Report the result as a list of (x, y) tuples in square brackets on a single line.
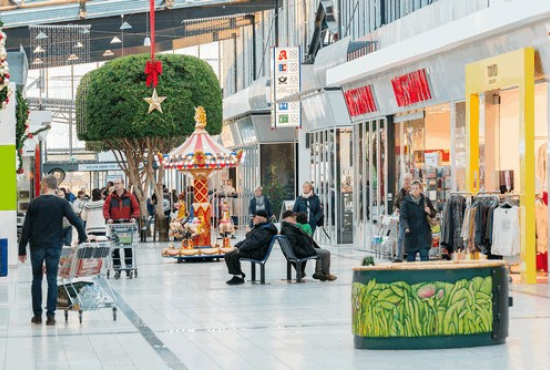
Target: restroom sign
[(285, 81)]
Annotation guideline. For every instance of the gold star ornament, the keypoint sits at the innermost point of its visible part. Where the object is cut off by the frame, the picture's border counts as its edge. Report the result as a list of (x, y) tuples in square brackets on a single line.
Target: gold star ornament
[(154, 102)]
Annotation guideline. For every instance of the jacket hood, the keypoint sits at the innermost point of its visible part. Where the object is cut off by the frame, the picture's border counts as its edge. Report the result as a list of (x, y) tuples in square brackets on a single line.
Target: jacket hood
[(94, 204)]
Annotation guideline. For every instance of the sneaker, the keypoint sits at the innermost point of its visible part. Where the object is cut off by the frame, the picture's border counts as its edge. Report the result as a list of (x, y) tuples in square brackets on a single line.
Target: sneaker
[(331, 277), (319, 276), (235, 281), (36, 320), (397, 260), (50, 321)]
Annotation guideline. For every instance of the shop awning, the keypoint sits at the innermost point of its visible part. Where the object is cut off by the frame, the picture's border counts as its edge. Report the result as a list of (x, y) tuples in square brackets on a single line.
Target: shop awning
[(482, 24)]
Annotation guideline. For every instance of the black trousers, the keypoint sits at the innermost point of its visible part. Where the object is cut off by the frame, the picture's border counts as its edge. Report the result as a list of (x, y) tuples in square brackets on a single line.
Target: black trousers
[(232, 260), (127, 257)]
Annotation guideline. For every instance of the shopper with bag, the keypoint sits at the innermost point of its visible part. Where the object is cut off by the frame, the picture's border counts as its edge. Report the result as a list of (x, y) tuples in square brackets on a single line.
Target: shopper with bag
[(415, 215)]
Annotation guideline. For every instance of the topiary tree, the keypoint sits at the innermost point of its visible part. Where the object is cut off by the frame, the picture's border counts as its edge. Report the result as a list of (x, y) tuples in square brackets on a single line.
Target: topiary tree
[(112, 113)]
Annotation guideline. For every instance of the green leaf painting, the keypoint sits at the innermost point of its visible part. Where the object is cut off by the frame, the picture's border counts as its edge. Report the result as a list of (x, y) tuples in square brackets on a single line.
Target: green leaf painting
[(421, 310)]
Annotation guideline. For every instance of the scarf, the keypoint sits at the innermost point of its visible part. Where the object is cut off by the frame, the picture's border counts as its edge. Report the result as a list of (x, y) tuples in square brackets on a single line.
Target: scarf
[(260, 202), (308, 195), (416, 200)]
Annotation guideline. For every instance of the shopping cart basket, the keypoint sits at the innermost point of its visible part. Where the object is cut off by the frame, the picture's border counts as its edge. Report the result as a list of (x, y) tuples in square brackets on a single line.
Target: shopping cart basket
[(122, 237)]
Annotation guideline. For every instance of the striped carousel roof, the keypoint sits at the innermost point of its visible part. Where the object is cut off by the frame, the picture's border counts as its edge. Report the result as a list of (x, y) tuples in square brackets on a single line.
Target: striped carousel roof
[(200, 150)]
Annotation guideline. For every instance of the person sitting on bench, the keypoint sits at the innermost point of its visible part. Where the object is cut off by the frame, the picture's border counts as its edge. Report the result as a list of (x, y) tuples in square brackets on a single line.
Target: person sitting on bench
[(254, 246), (304, 246)]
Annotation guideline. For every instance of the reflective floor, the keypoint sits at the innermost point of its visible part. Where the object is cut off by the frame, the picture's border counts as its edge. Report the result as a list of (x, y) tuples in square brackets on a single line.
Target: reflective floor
[(184, 316)]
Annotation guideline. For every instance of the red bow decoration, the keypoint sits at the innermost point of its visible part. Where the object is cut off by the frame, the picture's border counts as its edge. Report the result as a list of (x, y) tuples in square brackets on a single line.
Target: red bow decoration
[(153, 69)]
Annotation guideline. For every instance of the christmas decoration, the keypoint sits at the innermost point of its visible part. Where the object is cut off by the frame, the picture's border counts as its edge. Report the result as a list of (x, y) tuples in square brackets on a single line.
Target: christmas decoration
[(4, 71), (154, 102), (153, 68), (22, 129)]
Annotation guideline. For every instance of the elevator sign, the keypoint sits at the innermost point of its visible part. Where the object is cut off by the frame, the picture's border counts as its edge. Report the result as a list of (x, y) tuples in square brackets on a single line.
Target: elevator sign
[(285, 81)]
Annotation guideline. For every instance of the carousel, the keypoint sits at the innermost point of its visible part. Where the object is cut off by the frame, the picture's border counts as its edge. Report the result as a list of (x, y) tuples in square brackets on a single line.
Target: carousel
[(199, 157)]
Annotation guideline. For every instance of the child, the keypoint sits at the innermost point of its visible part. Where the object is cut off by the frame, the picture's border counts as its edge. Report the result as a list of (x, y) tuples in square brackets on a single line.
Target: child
[(301, 222)]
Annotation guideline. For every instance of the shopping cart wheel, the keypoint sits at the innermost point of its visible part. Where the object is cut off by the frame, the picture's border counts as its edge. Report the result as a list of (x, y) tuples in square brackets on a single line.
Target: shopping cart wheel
[(66, 315), (108, 273), (114, 313), (130, 274), (135, 273), (117, 274), (80, 316)]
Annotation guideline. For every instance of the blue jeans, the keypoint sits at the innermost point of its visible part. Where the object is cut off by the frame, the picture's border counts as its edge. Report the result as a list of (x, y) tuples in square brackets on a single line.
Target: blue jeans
[(51, 257), (424, 255), (67, 235)]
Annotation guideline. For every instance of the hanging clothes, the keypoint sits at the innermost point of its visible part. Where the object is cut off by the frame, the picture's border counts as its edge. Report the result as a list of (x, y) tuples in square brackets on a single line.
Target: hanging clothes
[(451, 223), (506, 232), (541, 169), (541, 221)]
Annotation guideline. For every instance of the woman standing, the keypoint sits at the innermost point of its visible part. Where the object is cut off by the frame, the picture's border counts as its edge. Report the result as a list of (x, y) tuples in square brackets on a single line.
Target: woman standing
[(412, 218), (309, 204), (92, 214), (259, 201)]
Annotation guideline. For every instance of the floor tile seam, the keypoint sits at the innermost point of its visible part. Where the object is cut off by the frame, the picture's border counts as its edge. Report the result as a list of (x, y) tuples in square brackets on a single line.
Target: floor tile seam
[(538, 295), (59, 333), (323, 324), (169, 357)]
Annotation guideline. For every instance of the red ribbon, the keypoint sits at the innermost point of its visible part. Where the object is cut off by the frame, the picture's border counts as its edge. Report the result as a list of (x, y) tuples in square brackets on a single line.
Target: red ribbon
[(153, 69), (152, 23)]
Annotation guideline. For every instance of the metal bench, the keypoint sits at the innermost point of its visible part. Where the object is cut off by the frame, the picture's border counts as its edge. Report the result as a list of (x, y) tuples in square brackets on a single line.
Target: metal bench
[(261, 262), (291, 258)]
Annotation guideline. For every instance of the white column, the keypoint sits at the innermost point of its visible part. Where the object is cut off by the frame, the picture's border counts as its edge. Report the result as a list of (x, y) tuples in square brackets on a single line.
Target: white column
[(8, 185)]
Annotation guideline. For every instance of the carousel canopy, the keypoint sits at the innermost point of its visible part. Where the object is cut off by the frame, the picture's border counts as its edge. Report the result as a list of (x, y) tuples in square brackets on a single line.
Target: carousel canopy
[(200, 151)]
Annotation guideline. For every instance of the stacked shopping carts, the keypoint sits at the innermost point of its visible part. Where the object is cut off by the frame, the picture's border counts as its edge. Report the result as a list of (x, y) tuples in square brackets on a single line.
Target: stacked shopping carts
[(82, 275)]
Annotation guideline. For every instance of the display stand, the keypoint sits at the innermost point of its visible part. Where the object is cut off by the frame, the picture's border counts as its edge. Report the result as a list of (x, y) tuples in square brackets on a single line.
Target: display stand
[(430, 305)]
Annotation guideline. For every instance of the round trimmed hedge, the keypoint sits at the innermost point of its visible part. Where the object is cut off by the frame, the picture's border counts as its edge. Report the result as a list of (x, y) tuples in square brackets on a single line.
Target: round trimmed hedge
[(110, 101)]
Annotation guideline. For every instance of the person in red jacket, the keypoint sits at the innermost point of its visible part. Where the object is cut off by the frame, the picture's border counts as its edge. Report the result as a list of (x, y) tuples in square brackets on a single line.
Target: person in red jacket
[(121, 206)]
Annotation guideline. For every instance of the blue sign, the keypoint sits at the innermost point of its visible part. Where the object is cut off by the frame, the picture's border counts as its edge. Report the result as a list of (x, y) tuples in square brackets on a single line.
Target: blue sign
[(3, 257)]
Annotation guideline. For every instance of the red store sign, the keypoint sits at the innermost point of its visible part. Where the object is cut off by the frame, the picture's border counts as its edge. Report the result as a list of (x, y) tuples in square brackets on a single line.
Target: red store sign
[(360, 101), (411, 88)]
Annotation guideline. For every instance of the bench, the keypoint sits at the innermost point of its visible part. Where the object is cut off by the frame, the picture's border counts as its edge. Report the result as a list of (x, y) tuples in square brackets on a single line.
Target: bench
[(291, 258), (261, 262)]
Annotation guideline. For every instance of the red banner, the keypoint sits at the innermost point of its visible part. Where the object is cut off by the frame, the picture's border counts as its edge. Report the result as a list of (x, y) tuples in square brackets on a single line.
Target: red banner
[(411, 88), (360, 101)]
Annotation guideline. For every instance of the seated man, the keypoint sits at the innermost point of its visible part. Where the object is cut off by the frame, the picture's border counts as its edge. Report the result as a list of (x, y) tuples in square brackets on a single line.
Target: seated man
[(304, 246), (254, 246)]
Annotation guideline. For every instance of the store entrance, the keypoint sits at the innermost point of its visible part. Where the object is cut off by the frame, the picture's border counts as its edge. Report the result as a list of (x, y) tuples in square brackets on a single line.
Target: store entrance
[(500, 146), (371, 176)]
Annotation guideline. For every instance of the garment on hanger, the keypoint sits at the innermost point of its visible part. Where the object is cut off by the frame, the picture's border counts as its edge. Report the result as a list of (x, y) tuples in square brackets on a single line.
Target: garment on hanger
[(541, 169), (541, 221), (451, 223), (506, 239)]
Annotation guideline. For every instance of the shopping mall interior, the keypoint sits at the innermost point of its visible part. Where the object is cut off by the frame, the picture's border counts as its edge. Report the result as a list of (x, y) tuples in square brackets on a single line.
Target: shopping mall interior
[(410, 135)]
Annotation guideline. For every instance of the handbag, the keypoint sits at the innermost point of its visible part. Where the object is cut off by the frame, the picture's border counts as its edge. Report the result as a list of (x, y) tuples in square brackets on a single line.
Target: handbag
[(432, 221)]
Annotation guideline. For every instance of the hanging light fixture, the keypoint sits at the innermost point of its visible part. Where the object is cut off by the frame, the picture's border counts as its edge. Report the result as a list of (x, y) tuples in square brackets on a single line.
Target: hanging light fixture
[(41, 36), (108, 53), (147, 41), (73, 57), (37, 61), (115, 40), (125, 26), (78, 45), (39, 49)]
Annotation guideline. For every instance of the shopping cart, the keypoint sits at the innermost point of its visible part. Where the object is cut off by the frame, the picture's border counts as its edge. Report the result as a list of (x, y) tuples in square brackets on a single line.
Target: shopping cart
[(384, 240), (122, 237), (83, 285)]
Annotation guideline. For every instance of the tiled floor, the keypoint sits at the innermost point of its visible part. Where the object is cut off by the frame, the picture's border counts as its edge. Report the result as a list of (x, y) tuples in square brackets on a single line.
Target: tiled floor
[(184, 316)]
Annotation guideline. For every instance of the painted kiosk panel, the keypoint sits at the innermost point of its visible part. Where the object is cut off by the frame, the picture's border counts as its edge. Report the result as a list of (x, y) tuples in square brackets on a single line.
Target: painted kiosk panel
[(430, 305)]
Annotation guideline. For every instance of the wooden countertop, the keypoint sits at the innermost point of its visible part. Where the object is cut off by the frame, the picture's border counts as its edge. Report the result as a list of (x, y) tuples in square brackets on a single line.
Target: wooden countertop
[(434, 265)]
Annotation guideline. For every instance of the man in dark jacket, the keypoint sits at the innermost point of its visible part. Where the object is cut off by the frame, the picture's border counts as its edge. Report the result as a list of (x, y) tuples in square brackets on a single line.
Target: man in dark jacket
[(44, 231), (121, 205), (254, 246), (304, 246)]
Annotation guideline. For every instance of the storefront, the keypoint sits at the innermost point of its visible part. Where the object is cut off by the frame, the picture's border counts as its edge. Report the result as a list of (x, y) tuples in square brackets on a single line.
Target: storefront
[(414, 103), (269, 158)]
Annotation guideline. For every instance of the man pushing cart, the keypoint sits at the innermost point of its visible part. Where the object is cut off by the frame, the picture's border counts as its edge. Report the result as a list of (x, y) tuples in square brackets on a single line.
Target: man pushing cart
[(122, 207)]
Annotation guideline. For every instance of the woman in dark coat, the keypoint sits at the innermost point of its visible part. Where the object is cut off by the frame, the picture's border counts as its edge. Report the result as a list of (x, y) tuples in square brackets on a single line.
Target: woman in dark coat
[(259, 201), (412, 217), (309, 204)]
